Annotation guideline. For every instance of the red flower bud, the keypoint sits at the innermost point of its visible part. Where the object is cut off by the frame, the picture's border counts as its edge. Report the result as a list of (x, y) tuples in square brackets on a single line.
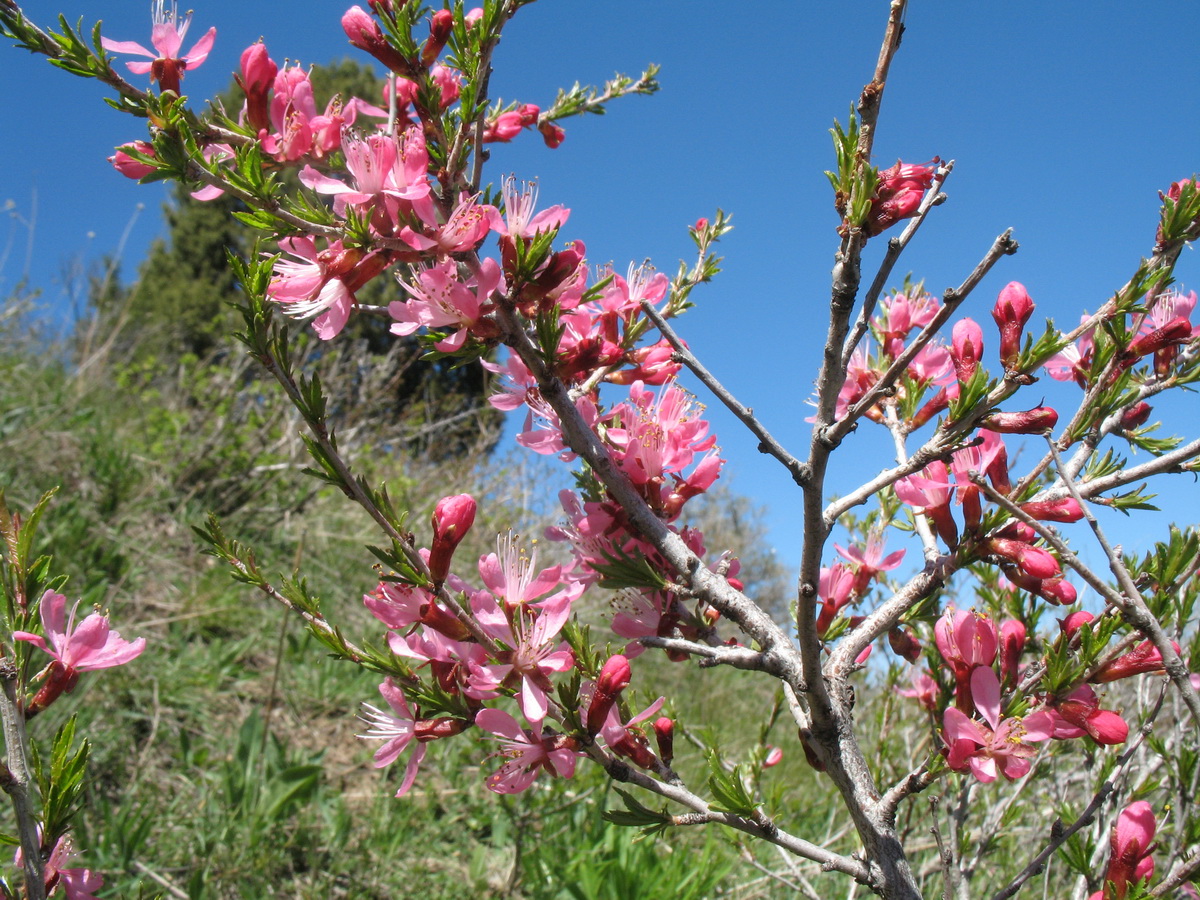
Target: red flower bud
[(441, 23), (1144, 659), (256, 80), (552, 135), (1012, 642), (1136, 416), (426, 730), (1031, 560), (1032, 421), (365, 34), (1065, 509), (614, 677), (664, 734), (904, 643)]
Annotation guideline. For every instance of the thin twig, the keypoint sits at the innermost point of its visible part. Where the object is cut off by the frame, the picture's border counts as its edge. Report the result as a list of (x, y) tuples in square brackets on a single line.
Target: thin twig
[(767, 444)]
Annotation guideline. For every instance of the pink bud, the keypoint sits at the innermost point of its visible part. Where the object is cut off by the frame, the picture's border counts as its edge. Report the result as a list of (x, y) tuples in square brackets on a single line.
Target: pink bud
[(256, 79), (452, 519), (1130, 849), (1032, 421), (773, 758), (441, 23), (1075, 621), (130, 167), (1012, 642), (1011, 312), (614, 677), (966, 348), (1065, 509), (898, 195), (1031, 560), (365, 34)]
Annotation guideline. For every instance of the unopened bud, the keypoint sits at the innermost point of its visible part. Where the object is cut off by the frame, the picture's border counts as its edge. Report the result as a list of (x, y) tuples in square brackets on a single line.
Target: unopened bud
[(904, 643), (773, 758), (1065, 509), (614, 677), (452, 519), (1031, 421), (664, 735), (552, 135), (1136, 416), (441, 23), (1031, 560), (130, 167), (966, 348), (1012, 310)]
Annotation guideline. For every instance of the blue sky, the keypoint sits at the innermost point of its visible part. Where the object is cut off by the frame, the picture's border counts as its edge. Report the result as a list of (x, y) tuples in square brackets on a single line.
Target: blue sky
[(1064, 119)]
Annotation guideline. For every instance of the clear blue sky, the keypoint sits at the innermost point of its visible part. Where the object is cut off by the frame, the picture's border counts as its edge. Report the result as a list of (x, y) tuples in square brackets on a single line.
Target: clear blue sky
[(1065, 119)]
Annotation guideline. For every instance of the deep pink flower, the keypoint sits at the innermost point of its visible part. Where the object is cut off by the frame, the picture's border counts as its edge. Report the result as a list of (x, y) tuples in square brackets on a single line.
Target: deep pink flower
[(898, 195), (257, 77), (967, 641), (1079, 713), (1130, 848), (614, 677), (322, 284), (1002, 745), (397, 731), (527, 752), (167, 37), (90, 644)]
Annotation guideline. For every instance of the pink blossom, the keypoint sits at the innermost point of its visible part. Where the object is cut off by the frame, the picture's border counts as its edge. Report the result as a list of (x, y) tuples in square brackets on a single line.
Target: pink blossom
[(440, 299), (382, 166), (624, 740), (1073, 361), (88, 645), (397, 731), (166, 36), (870, 561), (322, 284), (1130, 848), (527, 752), (1002, 745), (77, 884), (967, 641), (924, 689), (519, 219)]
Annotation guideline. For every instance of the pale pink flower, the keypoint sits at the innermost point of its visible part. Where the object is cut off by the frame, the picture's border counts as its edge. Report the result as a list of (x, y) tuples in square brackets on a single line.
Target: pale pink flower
[(924, 689), (527, 752), (166, 36), (519, 219), (397, 731), (77, 884), (1000, 745), (88, 645)]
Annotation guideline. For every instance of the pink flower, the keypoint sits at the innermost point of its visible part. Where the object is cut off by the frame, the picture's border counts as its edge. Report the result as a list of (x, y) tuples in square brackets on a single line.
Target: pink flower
[(77, 884), (167, 37), (967, 641), (397, 731), (322, 284), (1079, 713), (1130, 860), (1002, 745), (898, 195), (924, 689), (519, 219), (614, 677), (869, 562), (91, 644), (527, 752)]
